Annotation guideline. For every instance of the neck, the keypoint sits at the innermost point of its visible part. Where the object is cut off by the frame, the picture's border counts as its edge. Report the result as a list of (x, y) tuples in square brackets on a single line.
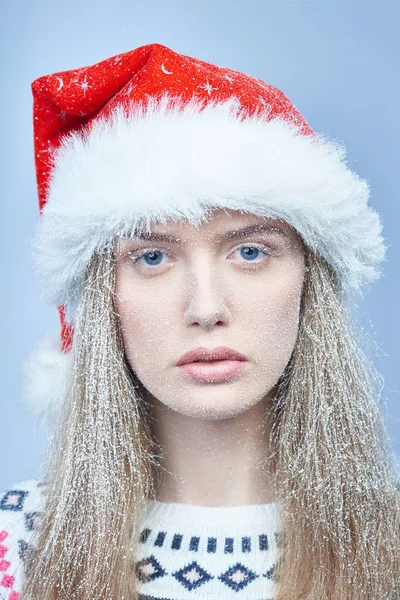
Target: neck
[(214, 462)]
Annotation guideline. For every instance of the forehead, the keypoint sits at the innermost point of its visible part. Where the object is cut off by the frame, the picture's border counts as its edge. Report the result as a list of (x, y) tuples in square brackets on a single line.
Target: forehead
[(220, 222)]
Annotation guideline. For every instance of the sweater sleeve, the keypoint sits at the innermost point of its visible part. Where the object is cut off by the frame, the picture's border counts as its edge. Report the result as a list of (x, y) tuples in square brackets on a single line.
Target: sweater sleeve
[(20, 507)]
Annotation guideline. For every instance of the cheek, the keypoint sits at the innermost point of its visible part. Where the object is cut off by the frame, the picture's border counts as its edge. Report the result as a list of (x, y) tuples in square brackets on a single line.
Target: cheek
[(145, 321), (274, 321)]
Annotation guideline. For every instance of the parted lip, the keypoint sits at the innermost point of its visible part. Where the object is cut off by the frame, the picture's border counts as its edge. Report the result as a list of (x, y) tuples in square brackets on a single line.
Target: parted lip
[(206, 354)]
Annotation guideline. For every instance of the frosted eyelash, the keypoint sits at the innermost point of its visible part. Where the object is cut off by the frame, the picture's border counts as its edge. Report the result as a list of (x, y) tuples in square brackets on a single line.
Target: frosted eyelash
[(266, 250)]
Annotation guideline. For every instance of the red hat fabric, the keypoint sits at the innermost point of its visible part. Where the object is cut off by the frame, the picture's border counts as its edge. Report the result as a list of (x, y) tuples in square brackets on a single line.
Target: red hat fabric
[(70, 100), (151, 134)]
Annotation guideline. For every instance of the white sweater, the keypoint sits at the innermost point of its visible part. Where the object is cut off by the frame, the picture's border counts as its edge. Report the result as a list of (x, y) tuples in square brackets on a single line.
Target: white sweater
[(185, 551)]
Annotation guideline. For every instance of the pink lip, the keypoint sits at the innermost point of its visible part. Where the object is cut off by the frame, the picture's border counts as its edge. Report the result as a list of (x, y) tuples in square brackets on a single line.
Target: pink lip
[(207, 354), (220, 370), (219, 364)]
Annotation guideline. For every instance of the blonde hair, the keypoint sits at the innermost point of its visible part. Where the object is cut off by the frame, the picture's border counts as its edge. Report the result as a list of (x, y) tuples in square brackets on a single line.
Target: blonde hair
[(338, 499)]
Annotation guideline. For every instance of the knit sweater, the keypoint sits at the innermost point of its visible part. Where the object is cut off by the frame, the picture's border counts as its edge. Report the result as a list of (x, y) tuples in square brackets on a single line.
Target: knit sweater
[(184, 551)]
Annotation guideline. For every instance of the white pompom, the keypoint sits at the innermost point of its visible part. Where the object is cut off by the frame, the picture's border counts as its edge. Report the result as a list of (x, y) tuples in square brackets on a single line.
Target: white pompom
[(45, 377)]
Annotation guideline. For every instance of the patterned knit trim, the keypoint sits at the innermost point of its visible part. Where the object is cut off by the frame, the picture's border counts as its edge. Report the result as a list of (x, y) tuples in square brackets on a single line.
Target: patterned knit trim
[(209, 542)]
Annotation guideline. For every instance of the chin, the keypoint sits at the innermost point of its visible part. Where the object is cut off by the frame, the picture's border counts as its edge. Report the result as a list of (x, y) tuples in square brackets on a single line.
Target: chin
[(215, 406)]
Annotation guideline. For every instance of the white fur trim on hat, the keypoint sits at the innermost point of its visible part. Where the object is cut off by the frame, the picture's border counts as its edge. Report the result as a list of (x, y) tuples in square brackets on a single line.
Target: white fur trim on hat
[(45, 378), (170, 161)]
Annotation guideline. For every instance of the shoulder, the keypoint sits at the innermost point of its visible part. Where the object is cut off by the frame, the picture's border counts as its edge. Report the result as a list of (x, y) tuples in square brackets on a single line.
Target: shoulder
[(20, 507)]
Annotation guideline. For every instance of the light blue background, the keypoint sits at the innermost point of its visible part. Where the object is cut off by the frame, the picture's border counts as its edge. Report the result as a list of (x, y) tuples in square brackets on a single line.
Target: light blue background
[(337, 61)]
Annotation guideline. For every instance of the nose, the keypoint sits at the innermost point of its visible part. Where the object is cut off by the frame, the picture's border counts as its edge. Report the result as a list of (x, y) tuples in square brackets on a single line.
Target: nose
[(205, 294)]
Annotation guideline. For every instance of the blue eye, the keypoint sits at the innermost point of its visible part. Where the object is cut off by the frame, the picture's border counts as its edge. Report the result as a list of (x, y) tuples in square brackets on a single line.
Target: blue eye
[(249, 252), (153, 258)]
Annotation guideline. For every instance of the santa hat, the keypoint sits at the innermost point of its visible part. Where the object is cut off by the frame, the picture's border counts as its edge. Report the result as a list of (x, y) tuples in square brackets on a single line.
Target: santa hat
[(152, 134)]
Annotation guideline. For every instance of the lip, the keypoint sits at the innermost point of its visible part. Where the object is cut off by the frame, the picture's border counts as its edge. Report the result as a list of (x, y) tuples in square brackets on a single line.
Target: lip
[(209, 354), (212, 365), (214, 372)]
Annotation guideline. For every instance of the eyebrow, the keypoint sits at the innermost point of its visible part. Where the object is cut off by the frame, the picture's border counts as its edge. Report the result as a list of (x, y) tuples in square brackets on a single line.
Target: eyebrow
[(232, 234)]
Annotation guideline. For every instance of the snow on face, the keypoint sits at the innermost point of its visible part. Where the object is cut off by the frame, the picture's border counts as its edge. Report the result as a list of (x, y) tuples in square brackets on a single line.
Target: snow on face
[(218, 284)]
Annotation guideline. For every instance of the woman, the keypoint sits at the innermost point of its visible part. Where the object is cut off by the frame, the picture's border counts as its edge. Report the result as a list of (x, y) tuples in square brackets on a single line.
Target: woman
[(218, 432)]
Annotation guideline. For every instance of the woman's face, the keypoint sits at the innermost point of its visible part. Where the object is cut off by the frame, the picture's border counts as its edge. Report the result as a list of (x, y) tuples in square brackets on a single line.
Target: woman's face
[(225, 283)]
